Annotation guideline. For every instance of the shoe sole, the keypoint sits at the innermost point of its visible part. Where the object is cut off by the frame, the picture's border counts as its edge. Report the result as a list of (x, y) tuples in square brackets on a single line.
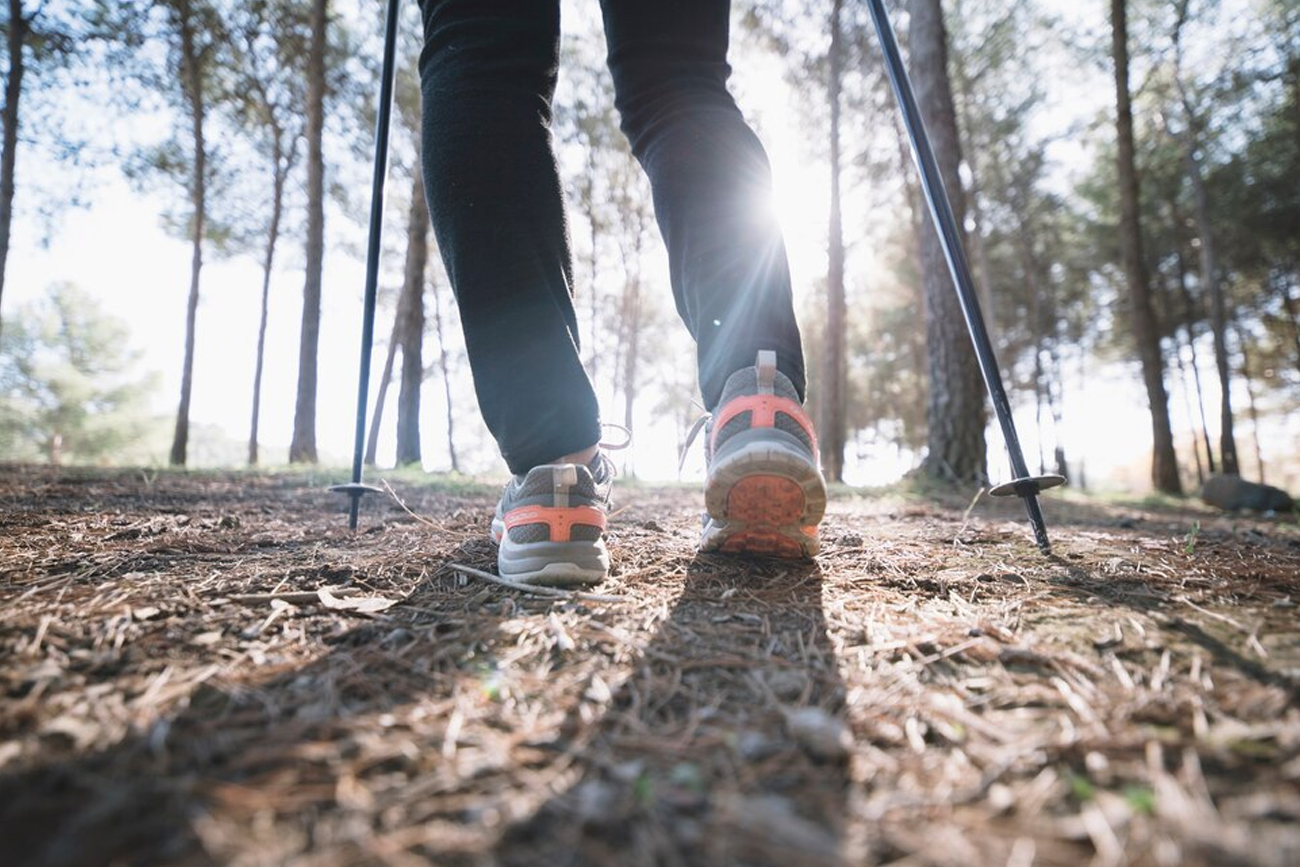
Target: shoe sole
[(764, 496), (553, 564)]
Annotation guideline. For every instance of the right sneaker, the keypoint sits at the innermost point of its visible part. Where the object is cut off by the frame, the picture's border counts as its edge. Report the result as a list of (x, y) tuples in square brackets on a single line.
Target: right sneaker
[(764, 493), (550, 524)]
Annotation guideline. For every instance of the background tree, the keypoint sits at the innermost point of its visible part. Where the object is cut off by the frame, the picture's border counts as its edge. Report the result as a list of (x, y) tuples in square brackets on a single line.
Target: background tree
[(411, 325), (188, 80), (302, 448), (69, 389), (956, 412), (1145, 329), (833, 427), (268, 40), (17, 29)]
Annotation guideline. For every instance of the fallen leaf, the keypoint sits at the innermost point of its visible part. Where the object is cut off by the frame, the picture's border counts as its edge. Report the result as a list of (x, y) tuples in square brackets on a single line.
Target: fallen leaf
[(359, 604)]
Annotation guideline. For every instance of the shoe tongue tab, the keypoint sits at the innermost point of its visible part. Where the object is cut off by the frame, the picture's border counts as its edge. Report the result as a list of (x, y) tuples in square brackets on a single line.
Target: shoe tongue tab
[(766, 366), (564, 477)]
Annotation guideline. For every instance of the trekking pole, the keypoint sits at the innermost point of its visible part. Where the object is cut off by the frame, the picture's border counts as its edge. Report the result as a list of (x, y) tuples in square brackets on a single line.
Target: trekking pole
[(356, 490), (1022, 484)]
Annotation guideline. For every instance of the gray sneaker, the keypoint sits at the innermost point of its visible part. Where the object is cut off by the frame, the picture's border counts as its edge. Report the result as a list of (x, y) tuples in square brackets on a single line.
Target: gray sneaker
[(550, 524), (764, 493)]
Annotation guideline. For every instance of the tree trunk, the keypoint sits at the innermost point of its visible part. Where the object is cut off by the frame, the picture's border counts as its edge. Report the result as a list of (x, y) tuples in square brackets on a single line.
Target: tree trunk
[(956, 408), (1146, 334), (192, 81), (446, 377), (302, 449), (979, 249), (1214, 288), (412, 329), (1288, 304), (381, 395), (16, 37), (1250, 403), (1187, 407), (632, 356), (268, 261), (833, 400), (1189, 317)]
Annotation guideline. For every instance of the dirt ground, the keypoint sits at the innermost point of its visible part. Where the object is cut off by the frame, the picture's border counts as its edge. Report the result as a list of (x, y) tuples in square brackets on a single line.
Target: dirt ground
[(210, 669)]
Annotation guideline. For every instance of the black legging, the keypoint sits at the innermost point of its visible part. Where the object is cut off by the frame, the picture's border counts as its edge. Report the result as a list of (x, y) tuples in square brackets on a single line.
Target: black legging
[(488, 74)]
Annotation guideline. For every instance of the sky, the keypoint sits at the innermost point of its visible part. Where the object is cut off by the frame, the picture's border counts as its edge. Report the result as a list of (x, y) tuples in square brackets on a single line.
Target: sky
[(117, 250)]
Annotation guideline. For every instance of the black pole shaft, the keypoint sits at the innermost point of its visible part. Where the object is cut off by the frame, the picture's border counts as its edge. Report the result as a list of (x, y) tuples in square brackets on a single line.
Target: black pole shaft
[(945, 223), (387, 75)]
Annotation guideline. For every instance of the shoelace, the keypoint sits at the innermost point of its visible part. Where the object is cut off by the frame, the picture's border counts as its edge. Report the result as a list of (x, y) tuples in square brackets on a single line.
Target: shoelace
[(615, 447), (690, 439)]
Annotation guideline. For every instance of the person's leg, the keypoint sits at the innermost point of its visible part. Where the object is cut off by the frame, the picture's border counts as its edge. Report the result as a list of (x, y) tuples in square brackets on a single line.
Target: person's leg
[(711, 182), (488, 73), (712, 189)]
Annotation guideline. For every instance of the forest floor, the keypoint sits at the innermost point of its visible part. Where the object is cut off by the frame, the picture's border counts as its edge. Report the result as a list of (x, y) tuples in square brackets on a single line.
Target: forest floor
[(208, 668)]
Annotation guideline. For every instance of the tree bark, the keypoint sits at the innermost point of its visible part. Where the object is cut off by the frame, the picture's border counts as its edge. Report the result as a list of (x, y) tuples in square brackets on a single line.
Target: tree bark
[(956, 409), (1208, 261), (446, 378), (1289, 305), (1218, 311), (1250, 402), (833, 402), (981, 269), (1189, 318), (1146, 334), (192, 81), (412, 328), (17, 39), (268, 261), (302, 449), (381, 395), (1187, 407)]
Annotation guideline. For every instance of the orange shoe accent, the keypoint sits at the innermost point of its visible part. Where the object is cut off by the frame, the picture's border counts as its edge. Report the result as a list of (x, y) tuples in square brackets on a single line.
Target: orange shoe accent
[(763, 409), (763, 499), (766, 543), (560, 520)]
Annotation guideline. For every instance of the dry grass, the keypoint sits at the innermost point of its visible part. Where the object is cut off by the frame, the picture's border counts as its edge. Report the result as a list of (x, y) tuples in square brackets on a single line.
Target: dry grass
[(176, 689)]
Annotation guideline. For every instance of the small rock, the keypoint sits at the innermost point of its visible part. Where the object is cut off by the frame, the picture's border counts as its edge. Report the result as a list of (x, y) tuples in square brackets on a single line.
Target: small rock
[(755, 746), (787, 684), (821, 735), (597, 802), (145, 612), (1232, 493)]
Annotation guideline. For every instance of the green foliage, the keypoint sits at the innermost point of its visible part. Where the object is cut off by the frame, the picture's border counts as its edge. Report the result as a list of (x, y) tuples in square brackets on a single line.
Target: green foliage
[(68, 385)]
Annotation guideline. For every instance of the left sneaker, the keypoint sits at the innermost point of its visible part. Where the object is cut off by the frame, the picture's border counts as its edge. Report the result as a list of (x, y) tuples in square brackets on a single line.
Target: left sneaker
[(550, 524)]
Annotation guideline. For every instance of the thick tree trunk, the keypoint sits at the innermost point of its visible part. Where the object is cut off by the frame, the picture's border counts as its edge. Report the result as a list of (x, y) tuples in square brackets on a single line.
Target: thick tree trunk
[(192, 81), (833, 399), (16, 37), (302, 449), (956, 409), (412, 329), (268, 262), (445, 367), (1146, 334)]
